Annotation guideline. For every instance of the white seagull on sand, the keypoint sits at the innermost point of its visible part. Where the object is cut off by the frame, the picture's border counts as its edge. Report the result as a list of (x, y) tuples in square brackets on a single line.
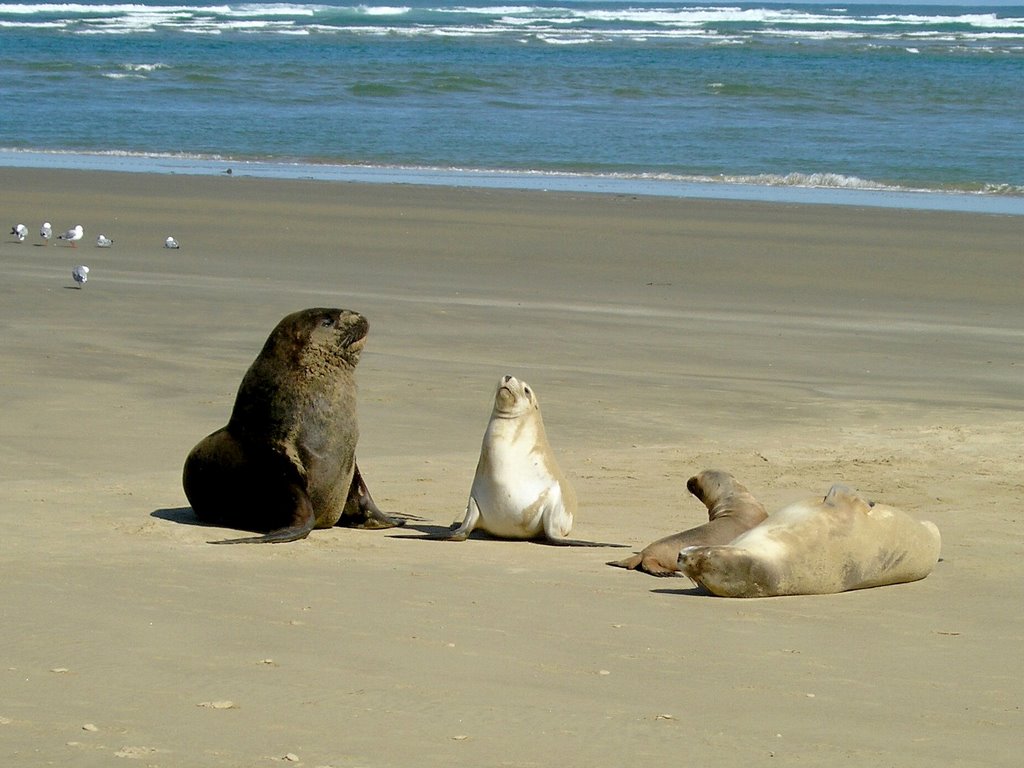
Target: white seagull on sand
[(80, 274), (73, 235), (19, 231), (45, 231), (103, 242), (170, 242)]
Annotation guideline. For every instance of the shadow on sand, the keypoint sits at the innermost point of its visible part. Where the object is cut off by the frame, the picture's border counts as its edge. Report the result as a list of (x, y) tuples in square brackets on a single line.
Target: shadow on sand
[(692, 591), (179, 515)]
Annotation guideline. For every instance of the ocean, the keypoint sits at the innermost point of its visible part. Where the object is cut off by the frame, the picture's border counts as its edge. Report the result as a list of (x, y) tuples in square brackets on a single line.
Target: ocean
[(892, 104)]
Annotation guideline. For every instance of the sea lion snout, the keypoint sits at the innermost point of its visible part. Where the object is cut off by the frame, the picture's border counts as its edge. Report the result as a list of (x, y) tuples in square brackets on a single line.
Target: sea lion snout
[(345, 328), (512, 397), (358, 326), (693, 486), (346, 318), (511, 384)]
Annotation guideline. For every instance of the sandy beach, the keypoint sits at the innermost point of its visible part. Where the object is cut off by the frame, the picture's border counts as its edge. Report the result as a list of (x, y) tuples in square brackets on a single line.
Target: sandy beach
[(794, 346)]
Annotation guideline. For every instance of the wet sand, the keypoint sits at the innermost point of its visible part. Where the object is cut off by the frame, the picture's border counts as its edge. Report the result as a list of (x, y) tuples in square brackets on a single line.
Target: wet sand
[(794, 346)]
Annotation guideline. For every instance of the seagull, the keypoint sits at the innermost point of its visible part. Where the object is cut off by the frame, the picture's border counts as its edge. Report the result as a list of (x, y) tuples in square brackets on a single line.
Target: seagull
[(80, 274), (103, 242), (170, 242), (45, 231), (19, 231), (73, 235)]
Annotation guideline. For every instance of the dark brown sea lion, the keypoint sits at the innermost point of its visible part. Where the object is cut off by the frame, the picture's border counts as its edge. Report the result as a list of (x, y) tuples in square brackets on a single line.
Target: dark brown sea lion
[(285, 463), (732, 510)]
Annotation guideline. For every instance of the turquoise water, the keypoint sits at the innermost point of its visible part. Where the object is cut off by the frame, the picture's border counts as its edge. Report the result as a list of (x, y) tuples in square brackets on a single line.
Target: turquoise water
[(872, 99)]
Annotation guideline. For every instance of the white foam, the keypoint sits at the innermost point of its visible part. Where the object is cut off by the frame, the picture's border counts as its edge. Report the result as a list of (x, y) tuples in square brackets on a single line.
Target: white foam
[(33, 24), (269, 9), (496, 10), (1006, 200), (89, 9), (144, 67), (559, 24), (383, 10)]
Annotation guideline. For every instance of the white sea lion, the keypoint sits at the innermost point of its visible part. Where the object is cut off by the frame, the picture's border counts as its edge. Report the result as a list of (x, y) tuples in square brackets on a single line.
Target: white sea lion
[(518, 490), (816, 547), (732, 510)]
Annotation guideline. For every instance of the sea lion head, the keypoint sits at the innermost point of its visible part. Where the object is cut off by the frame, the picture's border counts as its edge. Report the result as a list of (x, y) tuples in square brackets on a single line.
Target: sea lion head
[(843, 496), (514, 398), (726, 498), (319, 336), (730, 571), (713, 485)]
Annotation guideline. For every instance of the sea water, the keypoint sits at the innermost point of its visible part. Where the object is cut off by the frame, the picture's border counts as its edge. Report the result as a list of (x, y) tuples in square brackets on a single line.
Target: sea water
[(881, 102)]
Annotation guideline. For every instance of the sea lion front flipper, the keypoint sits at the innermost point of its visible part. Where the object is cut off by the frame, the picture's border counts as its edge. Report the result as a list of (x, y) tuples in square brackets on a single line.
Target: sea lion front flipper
[(361, 511), (461, 533), (303, 521)]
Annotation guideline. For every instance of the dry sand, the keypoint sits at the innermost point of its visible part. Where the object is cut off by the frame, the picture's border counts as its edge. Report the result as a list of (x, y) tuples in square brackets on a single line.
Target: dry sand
[(794, 346)]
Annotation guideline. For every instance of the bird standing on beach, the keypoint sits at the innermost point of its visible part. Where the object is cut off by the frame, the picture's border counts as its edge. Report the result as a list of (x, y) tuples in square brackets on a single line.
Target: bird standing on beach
[(19, 231), (80, 274), (73, 235), (103, 242), (45, 231), (170, 242)]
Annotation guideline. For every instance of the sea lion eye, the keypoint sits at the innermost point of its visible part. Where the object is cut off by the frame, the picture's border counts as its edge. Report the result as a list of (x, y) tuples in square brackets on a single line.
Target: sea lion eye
[(526, 390)]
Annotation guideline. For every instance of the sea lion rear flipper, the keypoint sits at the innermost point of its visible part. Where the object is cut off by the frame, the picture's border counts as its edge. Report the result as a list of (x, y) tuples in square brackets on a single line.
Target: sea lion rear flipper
[(303, 521), (645, 564), (655, 567), (630, 563), (579, 543), (361, 511)]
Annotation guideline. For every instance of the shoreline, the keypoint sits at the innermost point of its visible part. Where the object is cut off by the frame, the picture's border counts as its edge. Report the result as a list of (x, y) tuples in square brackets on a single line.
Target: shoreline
[(848, 192)]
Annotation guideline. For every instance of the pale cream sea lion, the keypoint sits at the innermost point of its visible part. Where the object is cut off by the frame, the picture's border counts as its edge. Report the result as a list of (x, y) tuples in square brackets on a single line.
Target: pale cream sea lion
[(818, 546), (731, 511), (518, 490), (285, 462)]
